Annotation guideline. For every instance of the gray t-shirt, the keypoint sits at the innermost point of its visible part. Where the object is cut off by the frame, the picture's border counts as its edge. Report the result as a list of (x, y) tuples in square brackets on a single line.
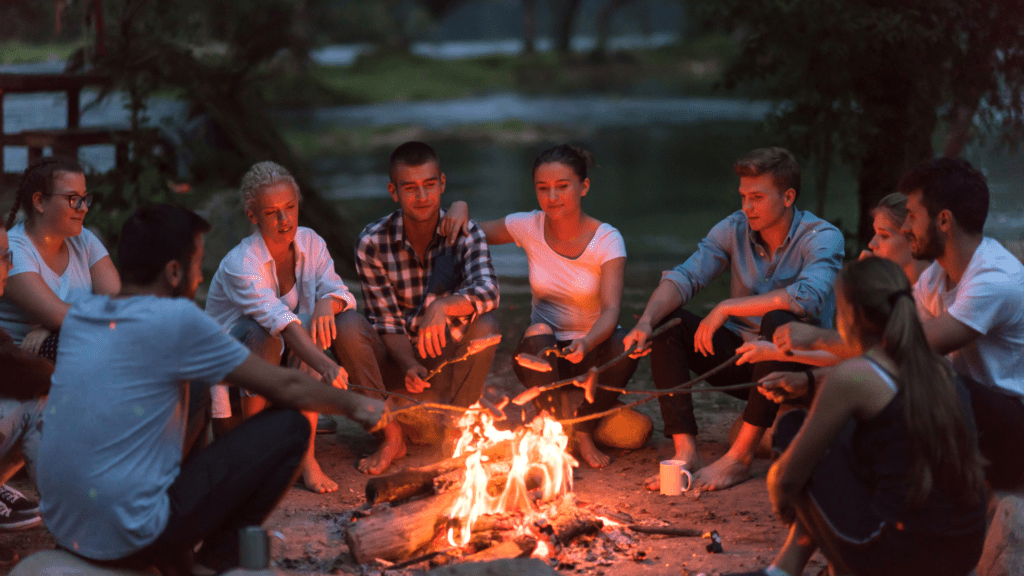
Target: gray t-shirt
[(115, 420), (84, 251)]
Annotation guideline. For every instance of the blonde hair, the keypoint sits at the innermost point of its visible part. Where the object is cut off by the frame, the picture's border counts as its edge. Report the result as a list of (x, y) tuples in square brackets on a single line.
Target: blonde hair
[(260, 176)]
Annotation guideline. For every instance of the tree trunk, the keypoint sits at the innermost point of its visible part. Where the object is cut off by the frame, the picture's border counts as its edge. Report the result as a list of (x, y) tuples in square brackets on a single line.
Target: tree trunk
[(529, 26), (908, 126), (824, 167), (604, 21), (564, 24)]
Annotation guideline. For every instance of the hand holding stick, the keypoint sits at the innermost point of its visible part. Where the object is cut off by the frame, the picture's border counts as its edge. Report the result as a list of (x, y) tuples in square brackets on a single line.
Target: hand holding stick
[(537, 391), (475, 347)]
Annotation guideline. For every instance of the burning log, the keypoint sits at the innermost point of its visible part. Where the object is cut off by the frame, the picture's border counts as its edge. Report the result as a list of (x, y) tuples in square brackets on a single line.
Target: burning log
[(570, 522), (415, 481), (509, 549), (397, 533)]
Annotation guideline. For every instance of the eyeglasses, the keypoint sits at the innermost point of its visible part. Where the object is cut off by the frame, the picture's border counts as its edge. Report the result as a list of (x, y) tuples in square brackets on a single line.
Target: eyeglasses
[(76, 201), (9, 257)]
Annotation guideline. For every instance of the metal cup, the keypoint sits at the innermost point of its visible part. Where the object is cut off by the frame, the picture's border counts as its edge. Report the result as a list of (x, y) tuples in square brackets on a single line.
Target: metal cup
[(253, 548)]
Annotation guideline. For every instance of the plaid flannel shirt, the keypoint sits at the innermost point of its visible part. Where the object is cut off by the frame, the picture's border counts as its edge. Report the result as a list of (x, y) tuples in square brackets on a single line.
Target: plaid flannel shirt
[(394, 280)]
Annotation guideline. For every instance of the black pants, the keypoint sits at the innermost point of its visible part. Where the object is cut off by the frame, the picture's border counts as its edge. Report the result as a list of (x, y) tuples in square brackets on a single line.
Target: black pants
[(835, 505), (617, 376), (234, 482), (1000, 420), (673, 357)]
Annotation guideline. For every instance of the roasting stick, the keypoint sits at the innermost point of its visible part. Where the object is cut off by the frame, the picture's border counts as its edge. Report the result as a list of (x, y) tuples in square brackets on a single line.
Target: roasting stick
[(532, 393), (475, 346), (654, 394)]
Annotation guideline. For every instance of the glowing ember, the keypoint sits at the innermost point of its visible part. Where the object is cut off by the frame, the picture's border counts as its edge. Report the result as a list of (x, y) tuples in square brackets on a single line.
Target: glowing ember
[(538, 454)]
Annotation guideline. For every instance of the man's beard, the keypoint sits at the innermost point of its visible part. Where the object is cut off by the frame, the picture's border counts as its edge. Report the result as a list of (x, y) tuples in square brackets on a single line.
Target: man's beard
[(933, 246), (185, 289)]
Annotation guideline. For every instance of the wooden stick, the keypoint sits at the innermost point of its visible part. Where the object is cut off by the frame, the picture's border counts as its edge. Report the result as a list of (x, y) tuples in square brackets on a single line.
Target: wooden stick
[(667, 531), (654, 394), (537, 391), (475, 346)]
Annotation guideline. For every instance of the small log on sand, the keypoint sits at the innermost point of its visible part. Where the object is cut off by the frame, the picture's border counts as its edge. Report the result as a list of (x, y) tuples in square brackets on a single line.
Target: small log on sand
[(397, 533), (667, 531)]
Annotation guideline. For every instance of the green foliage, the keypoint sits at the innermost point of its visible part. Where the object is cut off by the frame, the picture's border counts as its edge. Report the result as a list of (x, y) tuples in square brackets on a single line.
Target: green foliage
[(871, 80)]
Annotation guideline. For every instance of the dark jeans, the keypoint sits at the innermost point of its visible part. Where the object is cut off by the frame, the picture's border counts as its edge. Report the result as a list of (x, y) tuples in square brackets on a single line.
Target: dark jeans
[(360, 350), (234, 482), (673, 357), (1000, 421), (836, 500), (617, 376)]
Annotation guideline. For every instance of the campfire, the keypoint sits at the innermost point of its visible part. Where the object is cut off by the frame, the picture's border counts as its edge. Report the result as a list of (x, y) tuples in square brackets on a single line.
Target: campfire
[(539, 458), (503, 494)]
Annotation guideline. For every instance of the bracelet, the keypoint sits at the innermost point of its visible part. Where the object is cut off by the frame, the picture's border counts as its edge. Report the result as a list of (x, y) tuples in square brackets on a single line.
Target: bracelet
[(810, 382)]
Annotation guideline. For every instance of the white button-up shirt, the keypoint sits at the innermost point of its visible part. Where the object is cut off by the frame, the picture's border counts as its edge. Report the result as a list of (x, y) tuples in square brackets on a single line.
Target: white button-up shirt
[(246, 283)]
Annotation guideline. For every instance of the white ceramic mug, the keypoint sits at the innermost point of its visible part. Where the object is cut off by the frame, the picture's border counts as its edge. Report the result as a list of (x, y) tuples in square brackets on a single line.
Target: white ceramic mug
[(671, 476)]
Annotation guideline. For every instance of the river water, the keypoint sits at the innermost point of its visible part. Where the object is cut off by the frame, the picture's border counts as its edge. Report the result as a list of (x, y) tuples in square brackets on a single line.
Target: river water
[(664, 175)]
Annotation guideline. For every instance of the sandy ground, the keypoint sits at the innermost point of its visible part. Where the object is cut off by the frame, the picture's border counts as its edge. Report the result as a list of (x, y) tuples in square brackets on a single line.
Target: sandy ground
[(310, 541)]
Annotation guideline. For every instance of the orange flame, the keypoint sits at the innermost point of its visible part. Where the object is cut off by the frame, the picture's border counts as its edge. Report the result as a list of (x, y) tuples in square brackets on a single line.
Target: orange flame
[(538, 453)]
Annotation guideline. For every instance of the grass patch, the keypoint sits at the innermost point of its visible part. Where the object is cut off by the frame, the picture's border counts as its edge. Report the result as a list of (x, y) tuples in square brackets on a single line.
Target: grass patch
[(16, 52)]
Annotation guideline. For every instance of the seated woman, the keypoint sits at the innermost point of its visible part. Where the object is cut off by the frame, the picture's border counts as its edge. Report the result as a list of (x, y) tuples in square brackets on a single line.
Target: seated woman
[(56, 260), (884, 476), (576, 272), (280, 285)]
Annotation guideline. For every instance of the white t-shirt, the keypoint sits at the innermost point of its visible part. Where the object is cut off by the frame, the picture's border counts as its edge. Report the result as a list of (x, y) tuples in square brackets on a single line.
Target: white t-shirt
[(989, 299), (115, 419), (84, 250), (566, 291)]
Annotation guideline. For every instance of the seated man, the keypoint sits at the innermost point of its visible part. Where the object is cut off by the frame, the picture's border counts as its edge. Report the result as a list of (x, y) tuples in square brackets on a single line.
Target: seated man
[(425, 299), (114, 484), (279, 286), (783, 263), (971, 305), (24, 382)]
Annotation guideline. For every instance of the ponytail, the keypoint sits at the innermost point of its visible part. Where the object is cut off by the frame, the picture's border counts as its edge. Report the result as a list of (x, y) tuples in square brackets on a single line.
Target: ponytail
[(942, 448), (38, 177)]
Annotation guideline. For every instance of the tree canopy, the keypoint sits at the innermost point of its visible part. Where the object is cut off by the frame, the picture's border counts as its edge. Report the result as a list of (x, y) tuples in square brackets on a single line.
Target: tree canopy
[(874, 80)]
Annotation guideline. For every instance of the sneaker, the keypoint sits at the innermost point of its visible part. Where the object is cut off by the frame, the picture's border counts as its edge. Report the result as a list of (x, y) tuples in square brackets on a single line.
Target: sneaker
[(326, 425), (16, 519), (17, 501)]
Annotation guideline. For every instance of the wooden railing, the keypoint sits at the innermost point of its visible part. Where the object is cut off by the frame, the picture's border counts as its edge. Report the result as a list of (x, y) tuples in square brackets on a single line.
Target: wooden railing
[(65, 141)]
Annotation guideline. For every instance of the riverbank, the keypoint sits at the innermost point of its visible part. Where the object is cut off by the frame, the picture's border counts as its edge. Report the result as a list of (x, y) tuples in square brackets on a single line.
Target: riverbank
[(687, 68)]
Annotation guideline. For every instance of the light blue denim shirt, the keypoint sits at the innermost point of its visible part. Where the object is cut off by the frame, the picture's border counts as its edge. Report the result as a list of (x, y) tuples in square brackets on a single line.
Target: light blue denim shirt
[(805, 265)]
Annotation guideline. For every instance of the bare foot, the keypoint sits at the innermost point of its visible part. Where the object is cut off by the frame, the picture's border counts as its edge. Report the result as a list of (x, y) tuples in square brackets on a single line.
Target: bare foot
[(315, 479), (589, 452), (725, 472), (391, 449)]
